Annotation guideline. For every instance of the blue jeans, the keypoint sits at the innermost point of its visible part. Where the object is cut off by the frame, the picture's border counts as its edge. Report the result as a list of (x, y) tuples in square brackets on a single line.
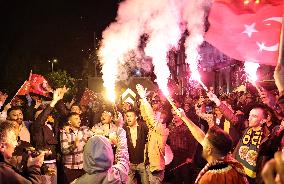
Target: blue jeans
[(141, 169)]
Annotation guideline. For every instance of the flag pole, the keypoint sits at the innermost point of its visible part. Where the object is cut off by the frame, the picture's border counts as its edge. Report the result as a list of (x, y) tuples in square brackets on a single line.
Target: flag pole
[(281, 43), (31, 72)]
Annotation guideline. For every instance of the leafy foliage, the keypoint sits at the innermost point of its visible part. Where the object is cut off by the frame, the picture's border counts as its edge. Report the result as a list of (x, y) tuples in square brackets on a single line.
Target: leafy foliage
[(60, 78)]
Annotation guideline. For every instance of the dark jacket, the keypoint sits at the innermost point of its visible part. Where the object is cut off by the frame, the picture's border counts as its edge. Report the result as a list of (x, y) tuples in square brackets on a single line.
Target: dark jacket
[(9, 175), (137, 154), (42, 137), (270, 145), (245, 148)]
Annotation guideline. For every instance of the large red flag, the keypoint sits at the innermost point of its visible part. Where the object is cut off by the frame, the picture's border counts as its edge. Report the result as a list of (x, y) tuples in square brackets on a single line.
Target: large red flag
[(246, 36), (248, 6), (39, 85), (25, 88)]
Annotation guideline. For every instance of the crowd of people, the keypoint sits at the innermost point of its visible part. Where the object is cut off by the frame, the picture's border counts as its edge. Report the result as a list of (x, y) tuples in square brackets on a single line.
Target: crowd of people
[(234, 138)]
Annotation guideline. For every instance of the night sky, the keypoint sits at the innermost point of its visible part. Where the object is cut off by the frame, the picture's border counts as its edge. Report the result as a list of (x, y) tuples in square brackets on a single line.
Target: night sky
[(33, 32)]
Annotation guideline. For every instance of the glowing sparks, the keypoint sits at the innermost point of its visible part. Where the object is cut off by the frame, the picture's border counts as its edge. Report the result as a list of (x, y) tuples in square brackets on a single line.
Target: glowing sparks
[(164, 34), (194, 73), (117, 41), (163, 21), (251, 68), (193, 61), (111, 95), (165, 91), (194, 16)]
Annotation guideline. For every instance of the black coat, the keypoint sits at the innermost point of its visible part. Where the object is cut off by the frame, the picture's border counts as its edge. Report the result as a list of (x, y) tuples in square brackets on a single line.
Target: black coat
[(9, 175), (42, 137)]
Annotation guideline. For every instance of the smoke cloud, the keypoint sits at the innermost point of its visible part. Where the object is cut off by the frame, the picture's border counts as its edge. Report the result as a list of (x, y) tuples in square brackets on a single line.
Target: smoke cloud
[(164, 22)]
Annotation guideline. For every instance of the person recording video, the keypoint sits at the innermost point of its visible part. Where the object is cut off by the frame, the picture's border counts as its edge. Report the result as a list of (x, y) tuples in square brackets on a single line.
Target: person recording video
[(8, 173)]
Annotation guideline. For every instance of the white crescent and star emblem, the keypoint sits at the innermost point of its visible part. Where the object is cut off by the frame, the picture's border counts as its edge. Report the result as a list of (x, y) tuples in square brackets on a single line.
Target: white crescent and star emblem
[(261, 45), (250, 29), (276, 19)]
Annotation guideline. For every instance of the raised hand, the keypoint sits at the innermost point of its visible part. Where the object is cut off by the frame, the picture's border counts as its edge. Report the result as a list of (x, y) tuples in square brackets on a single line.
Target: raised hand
[(214, 98), (141, 90), (64, 90), (279, 77), (38, 103), (267, 98), (180, 112), (59, 93), (7, 106), (3, 97)]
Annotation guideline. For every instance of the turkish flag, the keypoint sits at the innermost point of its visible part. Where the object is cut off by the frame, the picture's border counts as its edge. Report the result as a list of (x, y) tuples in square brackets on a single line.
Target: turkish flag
[(251, 6), (25, 88), (39, 85), (246, 36)]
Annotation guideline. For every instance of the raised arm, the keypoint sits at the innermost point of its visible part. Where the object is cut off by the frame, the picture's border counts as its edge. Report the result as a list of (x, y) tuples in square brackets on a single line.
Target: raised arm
[(145, 107), (3, 114), (57, 95), (279, 81), (226, 111), (197, 133)]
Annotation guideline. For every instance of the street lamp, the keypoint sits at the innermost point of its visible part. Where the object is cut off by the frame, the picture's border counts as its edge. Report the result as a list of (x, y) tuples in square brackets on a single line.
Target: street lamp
[(52, 62)]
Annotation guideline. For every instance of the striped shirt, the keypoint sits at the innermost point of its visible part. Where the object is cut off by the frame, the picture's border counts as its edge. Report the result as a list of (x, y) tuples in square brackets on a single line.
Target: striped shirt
[(72, 154)]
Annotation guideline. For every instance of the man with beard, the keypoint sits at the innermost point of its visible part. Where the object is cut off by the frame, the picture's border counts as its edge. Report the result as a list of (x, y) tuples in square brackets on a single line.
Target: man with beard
[(72, 139), (84, 114), (221, 168), (16, 114)]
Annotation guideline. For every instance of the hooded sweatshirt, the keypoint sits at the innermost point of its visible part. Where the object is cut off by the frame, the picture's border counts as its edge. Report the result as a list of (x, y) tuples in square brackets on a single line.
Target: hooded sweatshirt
[(98, 161)]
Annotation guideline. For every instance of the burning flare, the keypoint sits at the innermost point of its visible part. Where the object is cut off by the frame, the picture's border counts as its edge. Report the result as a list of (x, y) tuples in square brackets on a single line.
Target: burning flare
[(163, 21), (251, 68)]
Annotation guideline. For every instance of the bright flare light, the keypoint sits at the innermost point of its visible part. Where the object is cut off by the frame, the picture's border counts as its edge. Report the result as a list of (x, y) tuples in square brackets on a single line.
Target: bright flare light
[(251, 69), (165, 91), (195, 74), (111, 95)]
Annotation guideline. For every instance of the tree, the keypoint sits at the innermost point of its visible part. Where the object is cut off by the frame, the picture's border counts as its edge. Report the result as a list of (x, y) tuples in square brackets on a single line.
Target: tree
[(60, 78)]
